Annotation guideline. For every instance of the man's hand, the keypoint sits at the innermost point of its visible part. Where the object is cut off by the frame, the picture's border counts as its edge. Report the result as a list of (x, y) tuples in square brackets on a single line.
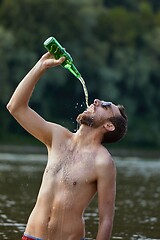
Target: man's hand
[(48, 61)]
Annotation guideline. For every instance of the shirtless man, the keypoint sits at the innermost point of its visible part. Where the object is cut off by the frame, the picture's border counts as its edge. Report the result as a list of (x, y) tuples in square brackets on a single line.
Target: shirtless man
[(78, 164)]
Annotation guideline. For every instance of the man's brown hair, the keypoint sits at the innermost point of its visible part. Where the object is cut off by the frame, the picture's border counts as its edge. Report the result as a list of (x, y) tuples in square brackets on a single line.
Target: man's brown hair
[(120, 123)]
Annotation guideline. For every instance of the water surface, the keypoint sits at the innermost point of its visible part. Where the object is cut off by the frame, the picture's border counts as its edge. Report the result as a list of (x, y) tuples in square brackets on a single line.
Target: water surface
[(137, 203)]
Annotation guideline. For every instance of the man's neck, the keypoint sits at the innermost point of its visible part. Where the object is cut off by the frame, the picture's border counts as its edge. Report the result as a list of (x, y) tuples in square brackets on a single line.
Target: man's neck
[(88, 136)]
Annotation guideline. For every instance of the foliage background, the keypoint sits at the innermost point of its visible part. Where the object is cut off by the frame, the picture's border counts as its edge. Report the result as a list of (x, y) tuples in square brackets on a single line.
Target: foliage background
[(115, 45)]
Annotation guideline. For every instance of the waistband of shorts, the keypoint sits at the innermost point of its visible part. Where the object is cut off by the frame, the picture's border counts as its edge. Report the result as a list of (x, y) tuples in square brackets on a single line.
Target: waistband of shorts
[(31, 237)]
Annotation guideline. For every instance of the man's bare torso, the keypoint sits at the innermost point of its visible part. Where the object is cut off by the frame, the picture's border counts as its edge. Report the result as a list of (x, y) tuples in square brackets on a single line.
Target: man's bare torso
[(68, 185)]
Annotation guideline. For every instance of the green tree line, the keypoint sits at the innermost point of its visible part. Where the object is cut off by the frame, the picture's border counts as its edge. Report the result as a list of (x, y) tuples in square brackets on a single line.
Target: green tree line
[(115, 45)]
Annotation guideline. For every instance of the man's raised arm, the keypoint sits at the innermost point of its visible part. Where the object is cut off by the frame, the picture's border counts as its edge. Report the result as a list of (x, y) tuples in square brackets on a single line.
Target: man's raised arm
[(18, 104)]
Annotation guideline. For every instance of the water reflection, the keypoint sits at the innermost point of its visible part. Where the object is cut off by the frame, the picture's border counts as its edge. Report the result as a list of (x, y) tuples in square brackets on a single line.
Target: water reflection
[(137, 203), (138, 192)]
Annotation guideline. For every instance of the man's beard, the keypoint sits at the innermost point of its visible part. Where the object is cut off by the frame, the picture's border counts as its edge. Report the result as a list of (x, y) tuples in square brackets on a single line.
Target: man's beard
[(88, 120), (84, 119)]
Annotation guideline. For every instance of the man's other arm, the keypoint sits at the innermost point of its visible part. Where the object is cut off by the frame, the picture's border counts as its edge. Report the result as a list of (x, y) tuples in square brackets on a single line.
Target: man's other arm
[(106, 188)]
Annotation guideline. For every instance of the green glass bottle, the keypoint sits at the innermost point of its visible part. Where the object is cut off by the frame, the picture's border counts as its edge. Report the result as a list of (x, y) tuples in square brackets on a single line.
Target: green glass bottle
[(54, 47)]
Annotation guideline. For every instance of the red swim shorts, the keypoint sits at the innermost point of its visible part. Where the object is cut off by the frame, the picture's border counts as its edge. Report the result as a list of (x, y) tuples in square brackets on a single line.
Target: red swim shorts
[(28, 237)]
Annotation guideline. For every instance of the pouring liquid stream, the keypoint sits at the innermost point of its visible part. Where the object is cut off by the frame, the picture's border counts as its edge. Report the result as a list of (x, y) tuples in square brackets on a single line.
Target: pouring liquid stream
[(85, 90)]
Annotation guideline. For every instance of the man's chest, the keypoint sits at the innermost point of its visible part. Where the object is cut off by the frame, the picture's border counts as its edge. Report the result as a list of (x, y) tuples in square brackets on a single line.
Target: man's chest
[(73, 167)]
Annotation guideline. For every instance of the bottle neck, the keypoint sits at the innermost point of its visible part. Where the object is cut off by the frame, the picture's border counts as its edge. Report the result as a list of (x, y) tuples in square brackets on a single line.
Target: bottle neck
[(71, 67)]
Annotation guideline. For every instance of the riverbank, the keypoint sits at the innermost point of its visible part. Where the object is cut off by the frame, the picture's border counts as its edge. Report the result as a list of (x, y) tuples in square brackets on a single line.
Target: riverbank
[(120, 152), (23, 149)]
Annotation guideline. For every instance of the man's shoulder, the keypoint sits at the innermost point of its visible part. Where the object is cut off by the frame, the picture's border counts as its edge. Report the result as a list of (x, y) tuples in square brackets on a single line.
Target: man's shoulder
[(60, 132), (103, 153), (104, 158), (59, 128)]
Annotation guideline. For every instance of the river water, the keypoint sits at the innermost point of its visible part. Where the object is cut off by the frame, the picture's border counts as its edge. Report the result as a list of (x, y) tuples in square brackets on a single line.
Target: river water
[(137, 213)]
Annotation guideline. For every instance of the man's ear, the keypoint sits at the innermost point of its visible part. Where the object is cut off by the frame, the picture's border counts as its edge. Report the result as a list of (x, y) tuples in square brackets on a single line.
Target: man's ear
[(109, 126)]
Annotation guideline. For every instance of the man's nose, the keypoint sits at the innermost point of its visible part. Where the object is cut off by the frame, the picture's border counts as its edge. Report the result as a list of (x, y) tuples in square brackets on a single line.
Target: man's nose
[(97, 102)]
